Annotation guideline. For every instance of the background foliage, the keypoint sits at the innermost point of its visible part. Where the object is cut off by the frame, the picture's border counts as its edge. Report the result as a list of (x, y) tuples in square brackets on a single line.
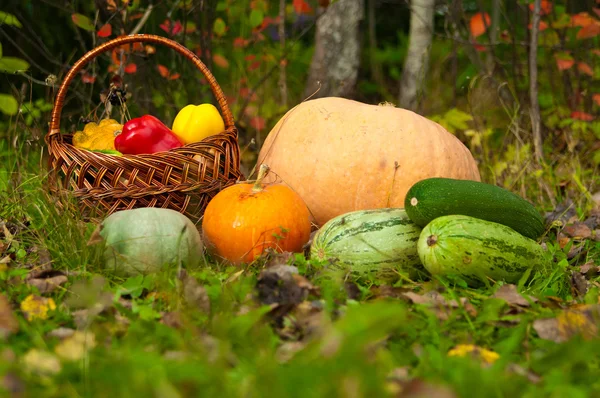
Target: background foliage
[(215, 333)]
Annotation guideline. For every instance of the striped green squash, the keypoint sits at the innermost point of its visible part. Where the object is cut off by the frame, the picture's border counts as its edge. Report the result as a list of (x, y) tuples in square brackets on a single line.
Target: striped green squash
[(477, 250), (379, 242)]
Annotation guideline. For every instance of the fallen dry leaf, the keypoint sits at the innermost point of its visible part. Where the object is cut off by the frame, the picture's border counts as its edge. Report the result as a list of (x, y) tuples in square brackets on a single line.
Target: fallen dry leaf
[(578, 231), (579, 284), (441, 306), (13, 385), (61, 333), (281, 285), (75, 347), (563, 214), (568, 323), (47, 283), (589, 268), (37, 307), (486, 356), (288, 349), (521, 371), (431, 297), (510, 294), (389, 291), (41, 363), (275, 258), (194, 293), (172, 319), (8, 321), (418, 388)]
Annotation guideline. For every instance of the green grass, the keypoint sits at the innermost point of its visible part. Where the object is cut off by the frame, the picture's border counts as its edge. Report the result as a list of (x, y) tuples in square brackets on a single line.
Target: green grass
[(151, 341)]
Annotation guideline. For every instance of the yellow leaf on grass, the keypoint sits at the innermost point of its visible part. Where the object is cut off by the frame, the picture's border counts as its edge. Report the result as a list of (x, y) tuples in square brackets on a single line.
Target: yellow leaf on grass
[(42, 363), (37, 307), (577, 322), (486, 356), (75, 347)]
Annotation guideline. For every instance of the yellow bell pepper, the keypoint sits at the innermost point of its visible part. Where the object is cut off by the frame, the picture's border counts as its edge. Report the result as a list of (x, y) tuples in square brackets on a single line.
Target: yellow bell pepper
[(193, 123), (98, 136)]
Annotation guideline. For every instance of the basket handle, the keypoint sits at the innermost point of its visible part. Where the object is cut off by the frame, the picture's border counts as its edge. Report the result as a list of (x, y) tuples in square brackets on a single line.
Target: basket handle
[(54, 131)]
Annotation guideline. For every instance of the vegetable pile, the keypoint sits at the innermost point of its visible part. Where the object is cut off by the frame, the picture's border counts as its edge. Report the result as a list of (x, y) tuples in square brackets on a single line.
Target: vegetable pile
[(436, 226), (467, 229), (147, 134)]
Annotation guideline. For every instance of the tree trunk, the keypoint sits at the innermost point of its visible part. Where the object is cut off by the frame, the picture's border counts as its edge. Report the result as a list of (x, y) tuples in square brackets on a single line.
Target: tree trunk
[(536, 124), (417, 59), (335, 62)]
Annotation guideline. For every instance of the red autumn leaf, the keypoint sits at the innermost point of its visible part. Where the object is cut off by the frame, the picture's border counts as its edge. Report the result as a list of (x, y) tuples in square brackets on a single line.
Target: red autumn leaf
[(545, 7), (220, 61), (130, 68), (163, 70), (578, 115), (596, 51), (480, 47), (582, 19), (135, 16), (589, 31), (596, 11), (302, 7), (254, 66), (105, 30), (479, 23), (596, 98), (250, 57), (87, 78), (268, 21), (239, 42), (174, 76), (258, 123), (564, 64), (177, 28), (172, 30), (585, 68), (543, 26), (245, 91)]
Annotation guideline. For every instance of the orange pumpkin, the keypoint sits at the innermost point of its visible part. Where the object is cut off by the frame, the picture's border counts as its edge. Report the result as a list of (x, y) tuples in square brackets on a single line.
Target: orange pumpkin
[(243, 220), (342, 155)]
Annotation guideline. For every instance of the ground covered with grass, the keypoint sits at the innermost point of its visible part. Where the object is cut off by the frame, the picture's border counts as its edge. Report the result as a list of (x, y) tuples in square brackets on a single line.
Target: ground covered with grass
[(283, 327)]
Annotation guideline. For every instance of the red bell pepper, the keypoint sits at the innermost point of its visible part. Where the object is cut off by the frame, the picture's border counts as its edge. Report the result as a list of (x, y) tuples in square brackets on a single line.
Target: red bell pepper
[(145, 134)]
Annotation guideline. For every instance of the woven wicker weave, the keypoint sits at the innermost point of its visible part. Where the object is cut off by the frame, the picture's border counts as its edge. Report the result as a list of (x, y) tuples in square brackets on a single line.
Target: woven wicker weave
[(183, 179)]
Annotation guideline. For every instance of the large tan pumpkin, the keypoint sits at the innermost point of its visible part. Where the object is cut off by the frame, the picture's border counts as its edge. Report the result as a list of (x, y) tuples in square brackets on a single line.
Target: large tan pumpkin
[(341, 155)]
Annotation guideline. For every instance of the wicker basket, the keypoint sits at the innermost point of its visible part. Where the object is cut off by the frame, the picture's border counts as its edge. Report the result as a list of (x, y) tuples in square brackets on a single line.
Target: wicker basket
[(182, 179)]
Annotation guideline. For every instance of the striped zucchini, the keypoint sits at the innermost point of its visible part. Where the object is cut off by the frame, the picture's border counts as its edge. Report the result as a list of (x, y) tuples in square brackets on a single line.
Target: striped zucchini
[(477, 250), (435, 197), (380, 242)]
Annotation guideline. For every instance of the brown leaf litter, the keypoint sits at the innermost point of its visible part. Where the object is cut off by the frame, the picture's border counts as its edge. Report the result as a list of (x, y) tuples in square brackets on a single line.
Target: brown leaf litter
[(578, 320), (8, 321), (512, 297)]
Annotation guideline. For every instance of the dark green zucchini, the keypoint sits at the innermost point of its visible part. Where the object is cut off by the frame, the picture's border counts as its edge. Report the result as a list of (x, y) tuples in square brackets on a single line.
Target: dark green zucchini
[(435, 197)]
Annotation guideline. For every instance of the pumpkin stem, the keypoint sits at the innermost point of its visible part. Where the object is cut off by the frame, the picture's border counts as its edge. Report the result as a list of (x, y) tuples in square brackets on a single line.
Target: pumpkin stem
[(262, 172)]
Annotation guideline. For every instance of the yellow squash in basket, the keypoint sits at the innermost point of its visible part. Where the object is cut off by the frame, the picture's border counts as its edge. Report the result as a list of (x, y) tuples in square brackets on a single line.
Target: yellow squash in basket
[(98, 136)]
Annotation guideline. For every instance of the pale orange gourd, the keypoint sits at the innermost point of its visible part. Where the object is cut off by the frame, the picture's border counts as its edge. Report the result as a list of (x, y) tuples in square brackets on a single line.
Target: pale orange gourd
[(245, 219), (341, 155)]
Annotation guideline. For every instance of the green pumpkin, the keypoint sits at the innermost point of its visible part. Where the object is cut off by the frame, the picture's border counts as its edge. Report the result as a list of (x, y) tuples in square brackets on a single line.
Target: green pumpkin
[(146, 240)]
